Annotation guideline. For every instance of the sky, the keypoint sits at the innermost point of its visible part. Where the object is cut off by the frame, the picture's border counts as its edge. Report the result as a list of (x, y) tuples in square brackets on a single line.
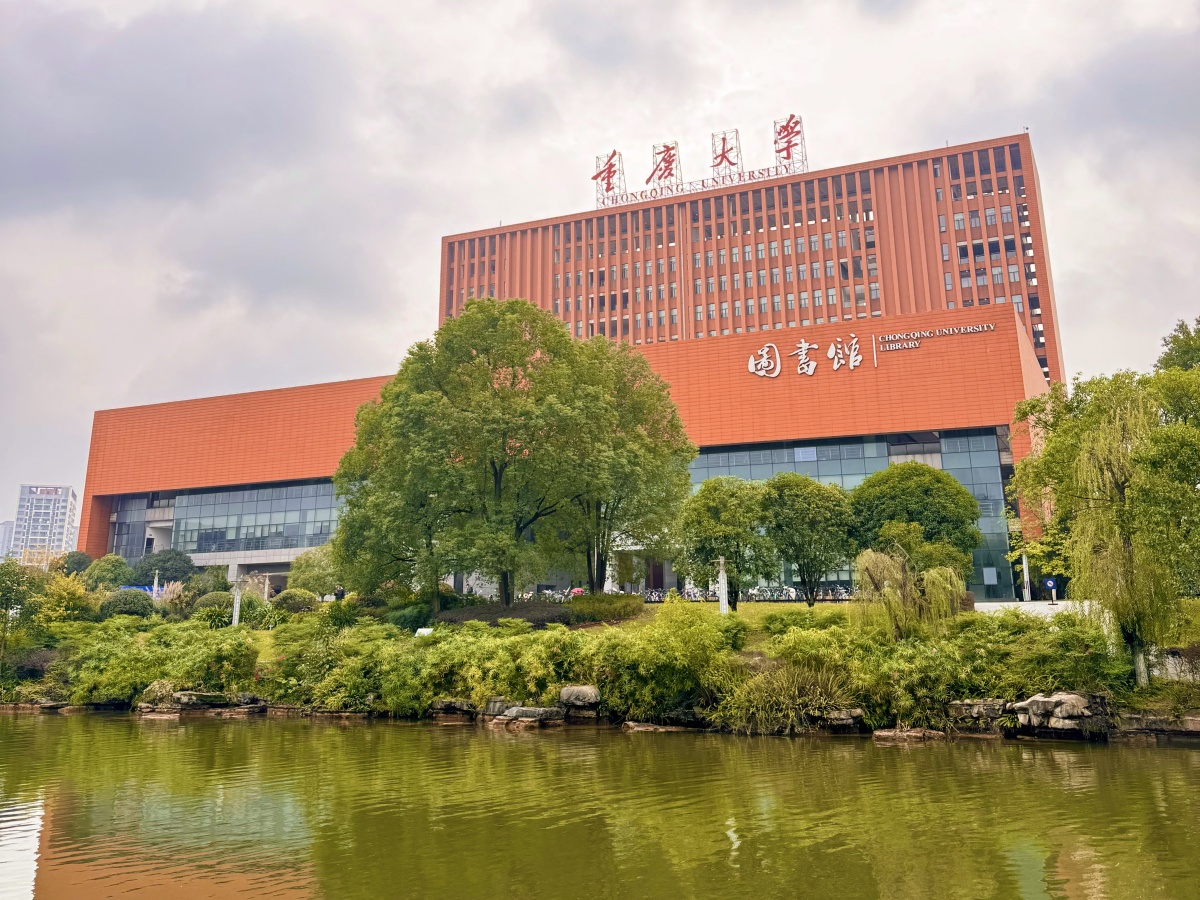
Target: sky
[(211, 197)]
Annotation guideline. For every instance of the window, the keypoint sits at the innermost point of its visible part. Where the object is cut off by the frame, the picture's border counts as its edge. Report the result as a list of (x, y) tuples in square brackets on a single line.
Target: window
[(814, 243), (949, 282), (760, 252), (841, 239), (721, 256), (672, 262), (874, 290), (959, 225), (710, 284), (1017, 302), (974, 218), (801, 272), (941, 223), (746, 251), (699, 313), (956, 192), (828, 240), (733, 251), (775, 303), (964, 278), (724, 282), (1014, 272), (787, 246), (816, 271), (697, 287), (990, 216), (945, 252), (1006, 214), (708, 257), (737, 307), (937, 168), (872, 266), (695, 260), (775, 275), (804, 299), (829, 268), (997, 275), (773, 248), (981, 277), (674, 289), (712, 310), (762, 304), (938, 192), (762, 277), (674, 317)]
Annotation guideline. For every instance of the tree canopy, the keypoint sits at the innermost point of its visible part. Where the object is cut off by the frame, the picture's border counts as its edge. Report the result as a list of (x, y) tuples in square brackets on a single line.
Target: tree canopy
[(1181, 348), (109, 571), (500, 430), (17, 604), (171, 565), (915, 492), (723, 519), (314, 570), (76, 562), (809, 524)]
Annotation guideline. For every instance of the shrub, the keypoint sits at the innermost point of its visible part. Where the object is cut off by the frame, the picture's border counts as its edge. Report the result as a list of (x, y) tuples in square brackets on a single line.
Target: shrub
[(410, 618), (65, 599), (605, 607), (128, 602), (296, 600), (342, 613), (214, 616), (776, 623), (783, 700), (536, 612), (214, 600), (734, 630)]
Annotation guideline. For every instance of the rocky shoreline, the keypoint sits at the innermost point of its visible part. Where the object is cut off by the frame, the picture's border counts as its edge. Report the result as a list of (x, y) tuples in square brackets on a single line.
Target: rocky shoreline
[(1055, 716)]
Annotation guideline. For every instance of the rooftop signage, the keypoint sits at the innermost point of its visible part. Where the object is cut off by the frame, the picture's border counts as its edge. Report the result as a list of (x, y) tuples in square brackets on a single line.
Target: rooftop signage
[(666, 173), (846, 352)]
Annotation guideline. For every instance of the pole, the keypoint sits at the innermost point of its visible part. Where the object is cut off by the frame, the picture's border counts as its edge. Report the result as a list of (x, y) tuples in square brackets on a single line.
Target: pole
[(155, 594), (1054, 595), (237, 602), (723, 589), (1025, 568)]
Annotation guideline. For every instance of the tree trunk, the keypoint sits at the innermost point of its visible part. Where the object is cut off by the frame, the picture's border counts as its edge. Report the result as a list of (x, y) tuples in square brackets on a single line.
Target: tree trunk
[(1141, 671), (601, 574), (506, 589), (591, 567)]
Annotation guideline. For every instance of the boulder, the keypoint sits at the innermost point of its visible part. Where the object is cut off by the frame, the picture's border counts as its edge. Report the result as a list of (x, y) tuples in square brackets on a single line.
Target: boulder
[(988, 708), (907, 735), (453, 705), (198, 699), (538, 713), (496, 706), (842, 718), (579, 695), (649, 726), (1063, 712)]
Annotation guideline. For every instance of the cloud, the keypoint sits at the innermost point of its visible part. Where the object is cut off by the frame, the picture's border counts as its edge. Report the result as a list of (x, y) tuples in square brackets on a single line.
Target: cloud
[(171, 104)]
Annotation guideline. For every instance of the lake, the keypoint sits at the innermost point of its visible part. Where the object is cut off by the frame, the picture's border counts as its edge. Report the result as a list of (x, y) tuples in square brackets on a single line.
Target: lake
[(107, 805)]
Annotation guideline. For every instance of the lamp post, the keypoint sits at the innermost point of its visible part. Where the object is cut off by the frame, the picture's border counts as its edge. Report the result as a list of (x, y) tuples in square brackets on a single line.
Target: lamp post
[(723, 588)]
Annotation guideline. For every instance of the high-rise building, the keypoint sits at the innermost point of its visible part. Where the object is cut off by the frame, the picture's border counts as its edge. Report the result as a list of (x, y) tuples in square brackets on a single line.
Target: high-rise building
[(954, 228), (46, 517), (851, 319), (6, 536)]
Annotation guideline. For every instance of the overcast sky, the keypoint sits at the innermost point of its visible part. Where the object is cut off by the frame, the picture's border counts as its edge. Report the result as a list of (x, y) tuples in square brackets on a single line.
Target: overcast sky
[(210, 197)]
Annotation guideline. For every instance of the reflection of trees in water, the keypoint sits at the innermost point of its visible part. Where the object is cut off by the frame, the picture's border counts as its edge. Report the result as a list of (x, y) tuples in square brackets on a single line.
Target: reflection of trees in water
[(464, 812)]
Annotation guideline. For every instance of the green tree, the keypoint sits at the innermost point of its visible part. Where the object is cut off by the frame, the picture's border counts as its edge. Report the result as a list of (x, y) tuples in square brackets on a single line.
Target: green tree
[(315, 570), (76, 562), (1110, 461), (389, 535), (630, 467), (907, 539), (109, 572), (171, 565), (915, 492), (17, 606), (484, 415), (724, 518), (809, 525), (1181, 347)]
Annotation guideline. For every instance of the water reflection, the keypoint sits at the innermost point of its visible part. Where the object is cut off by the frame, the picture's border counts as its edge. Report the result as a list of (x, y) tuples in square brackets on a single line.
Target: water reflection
[(302, 809)]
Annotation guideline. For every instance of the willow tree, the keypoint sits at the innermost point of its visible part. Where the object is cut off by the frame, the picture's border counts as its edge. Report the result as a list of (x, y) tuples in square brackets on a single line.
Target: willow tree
[(1093, 467)]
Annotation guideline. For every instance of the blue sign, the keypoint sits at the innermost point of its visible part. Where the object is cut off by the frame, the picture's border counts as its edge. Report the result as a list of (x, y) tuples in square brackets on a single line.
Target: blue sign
[(1049, 583)]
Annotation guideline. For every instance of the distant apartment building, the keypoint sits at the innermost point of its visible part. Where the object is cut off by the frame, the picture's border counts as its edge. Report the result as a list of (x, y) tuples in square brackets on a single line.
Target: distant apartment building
[(6, 536), (45, 522)]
